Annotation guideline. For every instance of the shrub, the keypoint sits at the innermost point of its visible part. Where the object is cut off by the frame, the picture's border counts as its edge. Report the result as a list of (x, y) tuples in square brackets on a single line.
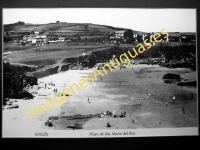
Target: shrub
[(13, 85), (172, 76), (22, 94)]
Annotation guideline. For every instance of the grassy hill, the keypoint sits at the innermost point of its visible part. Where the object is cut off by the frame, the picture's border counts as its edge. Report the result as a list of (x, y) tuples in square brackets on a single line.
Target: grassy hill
[(63, 28), (57, 27)]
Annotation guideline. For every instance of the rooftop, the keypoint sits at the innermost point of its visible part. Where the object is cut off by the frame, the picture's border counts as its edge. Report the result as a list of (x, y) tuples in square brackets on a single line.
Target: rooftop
[(40, 36), (120, 31)]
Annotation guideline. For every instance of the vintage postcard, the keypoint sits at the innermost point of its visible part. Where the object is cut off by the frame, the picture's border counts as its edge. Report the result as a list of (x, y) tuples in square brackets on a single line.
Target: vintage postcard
[(99, 72)]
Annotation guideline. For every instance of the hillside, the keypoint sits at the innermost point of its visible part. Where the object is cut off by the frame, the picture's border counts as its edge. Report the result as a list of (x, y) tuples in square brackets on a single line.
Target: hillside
[(60, 27), (63, 29)]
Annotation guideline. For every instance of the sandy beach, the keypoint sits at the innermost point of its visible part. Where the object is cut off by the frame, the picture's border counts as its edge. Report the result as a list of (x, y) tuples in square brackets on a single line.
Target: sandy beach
[(137, 81)]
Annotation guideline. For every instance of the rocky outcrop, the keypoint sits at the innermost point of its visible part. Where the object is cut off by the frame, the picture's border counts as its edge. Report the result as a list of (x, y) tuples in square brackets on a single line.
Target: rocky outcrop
[(65, 67), (187, 83), (172, 76), (15, 79), (13, 106)]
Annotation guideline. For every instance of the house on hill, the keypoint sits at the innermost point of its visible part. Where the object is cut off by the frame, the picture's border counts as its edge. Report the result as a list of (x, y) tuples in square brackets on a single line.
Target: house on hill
[(174, 37), (30, 38), (68, 40), (36, 32), (188, 37), (147, 36), (138, 37), (51, 42), (135, 37), (61, 39), (159, 38), (117, 36), (41, 40), (192, 38)]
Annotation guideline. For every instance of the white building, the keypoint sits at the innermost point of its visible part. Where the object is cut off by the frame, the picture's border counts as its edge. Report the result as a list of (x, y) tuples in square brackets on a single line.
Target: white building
[(119, 34), (61, 39), (36, 32), (41, 40), (30, 38)]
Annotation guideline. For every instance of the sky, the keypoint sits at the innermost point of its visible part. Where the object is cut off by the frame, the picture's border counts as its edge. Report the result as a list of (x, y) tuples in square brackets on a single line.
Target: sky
[(146, 20)]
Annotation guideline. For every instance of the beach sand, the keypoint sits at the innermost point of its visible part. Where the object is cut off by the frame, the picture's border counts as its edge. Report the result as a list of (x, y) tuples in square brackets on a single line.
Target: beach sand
[(107, 95)]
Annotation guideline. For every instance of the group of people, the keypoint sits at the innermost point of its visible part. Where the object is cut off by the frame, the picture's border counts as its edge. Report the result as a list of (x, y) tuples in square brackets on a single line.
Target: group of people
[(55, 90), (51, 83), (123, 114), (108, 114), (49, 123)]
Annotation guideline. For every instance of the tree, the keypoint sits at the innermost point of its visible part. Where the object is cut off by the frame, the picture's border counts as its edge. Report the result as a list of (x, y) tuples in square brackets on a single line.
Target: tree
[(57, 21), (139, 38), (128, 35)]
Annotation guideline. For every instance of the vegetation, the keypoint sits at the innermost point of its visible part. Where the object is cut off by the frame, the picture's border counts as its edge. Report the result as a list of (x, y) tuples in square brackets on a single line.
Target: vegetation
[(128, 35), (14, 81), (172, 76), (189, 83)]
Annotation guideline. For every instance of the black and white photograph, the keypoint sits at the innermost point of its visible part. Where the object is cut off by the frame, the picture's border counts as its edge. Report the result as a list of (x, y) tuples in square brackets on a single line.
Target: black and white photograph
[(99, 72)]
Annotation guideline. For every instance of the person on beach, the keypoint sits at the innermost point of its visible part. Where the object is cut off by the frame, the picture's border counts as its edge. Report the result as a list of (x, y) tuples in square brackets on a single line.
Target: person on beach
[(119, 83), (183, 109), (50, 123), (88, 100), (122, 115), (138, 69), (108, 125), (114, 113), (173, 98), (45, 85), (149, 96), (110, 114), (102, 116), (166, 104), (133, 122)]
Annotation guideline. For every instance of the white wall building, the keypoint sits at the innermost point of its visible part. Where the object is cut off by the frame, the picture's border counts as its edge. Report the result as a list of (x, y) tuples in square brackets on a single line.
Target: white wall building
[(119, 34), (61, 39)]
